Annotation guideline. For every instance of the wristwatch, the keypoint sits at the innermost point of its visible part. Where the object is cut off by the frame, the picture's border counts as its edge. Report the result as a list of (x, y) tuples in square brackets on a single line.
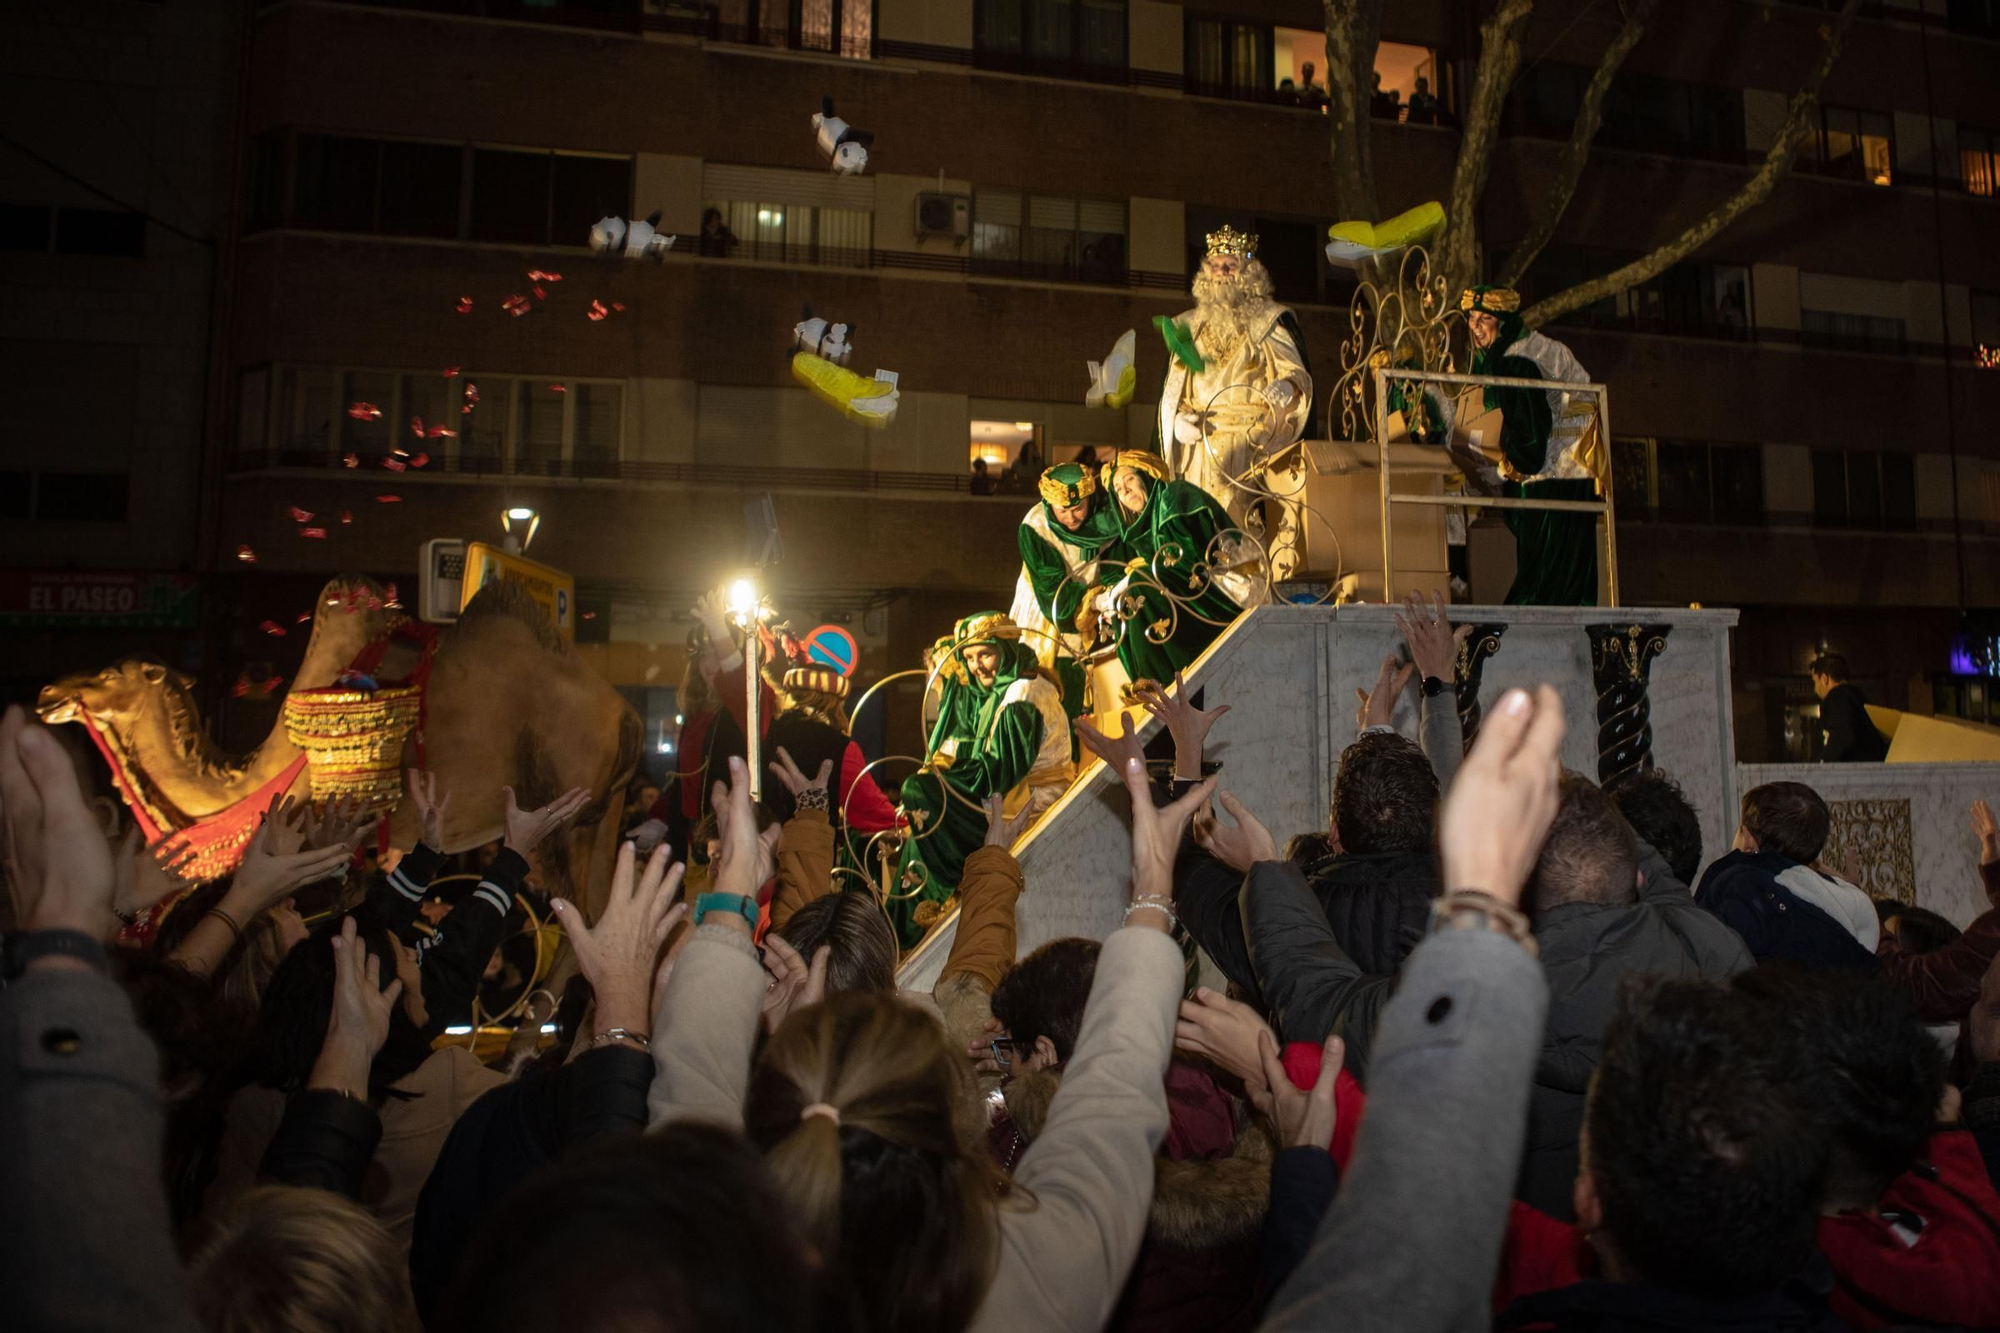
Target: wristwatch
[(26, 947), (741, 904), (1433, 686)]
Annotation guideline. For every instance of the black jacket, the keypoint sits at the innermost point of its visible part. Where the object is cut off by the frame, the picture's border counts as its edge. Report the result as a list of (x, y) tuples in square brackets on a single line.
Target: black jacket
[(505, 1136), (1847, 732), (1637, 1307), (810, 742), (1742, 890), (452, 958)]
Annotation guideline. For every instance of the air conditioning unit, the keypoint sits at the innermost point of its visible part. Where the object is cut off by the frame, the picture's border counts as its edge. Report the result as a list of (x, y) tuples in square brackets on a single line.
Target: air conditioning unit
[(944, 215)]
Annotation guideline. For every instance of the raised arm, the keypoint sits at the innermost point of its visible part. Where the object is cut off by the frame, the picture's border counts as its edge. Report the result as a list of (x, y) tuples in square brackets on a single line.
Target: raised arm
[(274, 865), (805, 843), (1433, 643)]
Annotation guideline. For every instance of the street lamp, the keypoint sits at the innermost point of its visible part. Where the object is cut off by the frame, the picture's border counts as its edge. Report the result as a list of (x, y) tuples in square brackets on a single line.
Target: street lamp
[(744, 602), (524, 518)]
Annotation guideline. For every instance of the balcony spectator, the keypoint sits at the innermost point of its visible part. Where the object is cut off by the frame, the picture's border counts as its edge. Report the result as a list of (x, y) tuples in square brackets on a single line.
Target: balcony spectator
[(1847, 734), (1288, 92), (1384, 103), (716, 238), (1311, 93), (982, 478), (1423, 104)]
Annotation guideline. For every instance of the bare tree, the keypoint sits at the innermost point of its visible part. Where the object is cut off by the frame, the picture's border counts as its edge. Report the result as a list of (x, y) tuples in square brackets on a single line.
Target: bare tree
[(1353, 31)]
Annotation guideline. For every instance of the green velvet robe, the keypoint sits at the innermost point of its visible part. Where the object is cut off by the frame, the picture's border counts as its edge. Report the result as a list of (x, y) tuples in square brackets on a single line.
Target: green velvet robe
[(993, 746), (1555, 555), (1057, 592), (1172, 534)]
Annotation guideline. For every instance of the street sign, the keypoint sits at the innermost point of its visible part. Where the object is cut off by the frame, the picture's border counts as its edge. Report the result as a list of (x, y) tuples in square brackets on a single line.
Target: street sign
[(555, 590)]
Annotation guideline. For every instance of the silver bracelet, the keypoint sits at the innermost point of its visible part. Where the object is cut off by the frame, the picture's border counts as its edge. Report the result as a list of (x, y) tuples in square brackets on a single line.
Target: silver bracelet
[(1159, 903), (644, 1040)]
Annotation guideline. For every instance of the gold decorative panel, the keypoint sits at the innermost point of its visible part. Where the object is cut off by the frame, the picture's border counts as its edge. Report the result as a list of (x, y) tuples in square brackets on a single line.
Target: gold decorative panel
[(1870, 844)]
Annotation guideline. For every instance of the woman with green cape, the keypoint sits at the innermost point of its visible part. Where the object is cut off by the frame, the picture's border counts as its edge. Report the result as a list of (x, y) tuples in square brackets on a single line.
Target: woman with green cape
[(1069, 545)]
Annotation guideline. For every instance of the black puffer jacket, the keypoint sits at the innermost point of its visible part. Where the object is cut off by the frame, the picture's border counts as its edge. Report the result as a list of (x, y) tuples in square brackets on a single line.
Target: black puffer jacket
[(1379, 905)]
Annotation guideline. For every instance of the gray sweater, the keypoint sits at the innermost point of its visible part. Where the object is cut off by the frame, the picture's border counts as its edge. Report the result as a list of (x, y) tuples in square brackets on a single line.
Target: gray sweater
[(86, 1242), (1413, 1239)]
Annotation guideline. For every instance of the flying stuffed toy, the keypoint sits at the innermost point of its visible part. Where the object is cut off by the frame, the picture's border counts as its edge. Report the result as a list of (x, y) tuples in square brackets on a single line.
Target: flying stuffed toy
[(1352, 243), (844, 147), (1113, 380), (872, 402), (825, 340), (636, 239)]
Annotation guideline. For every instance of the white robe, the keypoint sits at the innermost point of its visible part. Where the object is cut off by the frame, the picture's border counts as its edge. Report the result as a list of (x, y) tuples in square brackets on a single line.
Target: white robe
[(1244, 427)]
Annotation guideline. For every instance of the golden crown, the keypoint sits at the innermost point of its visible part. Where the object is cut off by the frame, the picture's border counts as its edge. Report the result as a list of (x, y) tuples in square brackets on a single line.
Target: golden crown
[(1063, 494), (1491, 300), (1229, 241)]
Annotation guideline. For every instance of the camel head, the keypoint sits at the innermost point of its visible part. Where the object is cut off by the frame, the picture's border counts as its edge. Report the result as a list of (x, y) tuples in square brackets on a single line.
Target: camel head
[(113, 698)]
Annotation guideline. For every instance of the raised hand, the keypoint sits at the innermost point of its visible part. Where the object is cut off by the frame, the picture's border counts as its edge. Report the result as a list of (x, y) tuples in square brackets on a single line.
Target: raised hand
[(346, 823), (1987, 832), (796, 782), (1156, 837), (748, 857), (795, 984), (1225, 1031), (1504, 799), (1000, 830), (527, 828), (428, 805), (264, 877), (1113, 750), (58, 859), (1188, 725), (1432, 641), (1303, 1119), (358, 1024), (1373, 708), (620, 955), (289, 822), (1240, 845)]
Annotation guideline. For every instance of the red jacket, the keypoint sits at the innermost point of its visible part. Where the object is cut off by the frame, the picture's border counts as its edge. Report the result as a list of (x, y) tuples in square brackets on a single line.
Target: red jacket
[(1302, 1061), (1937, 1262)]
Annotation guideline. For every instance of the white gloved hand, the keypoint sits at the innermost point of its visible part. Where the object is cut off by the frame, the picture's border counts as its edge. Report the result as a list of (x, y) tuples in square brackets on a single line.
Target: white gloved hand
[(1280, 395), (1187, 428)]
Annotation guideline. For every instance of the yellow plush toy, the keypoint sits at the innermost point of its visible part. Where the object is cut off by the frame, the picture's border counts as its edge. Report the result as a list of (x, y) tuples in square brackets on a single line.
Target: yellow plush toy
[(872, 402), (1353, 242)]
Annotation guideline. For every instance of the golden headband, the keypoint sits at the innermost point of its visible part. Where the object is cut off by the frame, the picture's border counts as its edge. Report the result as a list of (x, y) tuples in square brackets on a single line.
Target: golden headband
[(1229, 241), (1493, 301), (1138, 460), (1062, 494), (820, 680), (985, 629)]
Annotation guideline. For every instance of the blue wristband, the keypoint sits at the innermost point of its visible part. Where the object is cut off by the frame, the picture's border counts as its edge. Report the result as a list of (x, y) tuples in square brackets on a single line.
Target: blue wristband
[(744, 906)]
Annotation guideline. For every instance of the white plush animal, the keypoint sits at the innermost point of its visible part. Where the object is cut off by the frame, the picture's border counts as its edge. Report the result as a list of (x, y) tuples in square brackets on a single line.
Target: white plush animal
[(637, 239), (822, 338), (845, 148), (1113, 380)]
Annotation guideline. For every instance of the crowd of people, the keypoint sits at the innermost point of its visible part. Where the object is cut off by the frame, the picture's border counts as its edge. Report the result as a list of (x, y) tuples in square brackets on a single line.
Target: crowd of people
[(1494, 1047)]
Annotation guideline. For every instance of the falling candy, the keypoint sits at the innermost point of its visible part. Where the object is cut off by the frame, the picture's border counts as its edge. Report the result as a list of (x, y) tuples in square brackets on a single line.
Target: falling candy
[(417, 427), (464, 305), (304, 616), (351, 460), (450, 371), (388, 499), (471, 392), (300, 515), (619, 306), (516, 305), (540, 295), (346, 516), (364, 412), (558, 388), (597, 310), (394, 464), (441, 433), (419, 460), (273, 628), (537, 275), (316, 534), (246, 555), (590, 615), (391, 601)]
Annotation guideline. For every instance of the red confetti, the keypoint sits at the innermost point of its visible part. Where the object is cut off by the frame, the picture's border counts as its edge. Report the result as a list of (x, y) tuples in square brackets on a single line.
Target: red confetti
[(351, 460), (537, 275), (541, 295), (558, 388), (364, 412), (420, 459), (450, 371), (597, 310), (417, 427), (246, 555), (590, 615), (388, 499), (304, 616), (464, 305), (316, 534), (300, 515), (346, 516), (619, 306), (465, 409), (516, 305), (442, 433), (273, 628), (471, 392), (394, 464)]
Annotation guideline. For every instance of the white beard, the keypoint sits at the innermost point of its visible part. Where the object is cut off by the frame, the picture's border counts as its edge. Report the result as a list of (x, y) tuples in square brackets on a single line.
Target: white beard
[(1230, 309)]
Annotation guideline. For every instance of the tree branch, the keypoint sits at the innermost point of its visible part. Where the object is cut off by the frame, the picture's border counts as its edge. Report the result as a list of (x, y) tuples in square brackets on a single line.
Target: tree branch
[(1499, 58), (1590, 115), (1353, 32), (1776, 163)]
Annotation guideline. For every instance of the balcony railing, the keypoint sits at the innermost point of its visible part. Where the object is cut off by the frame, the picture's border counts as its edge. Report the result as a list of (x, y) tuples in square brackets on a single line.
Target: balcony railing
[(604, 469)]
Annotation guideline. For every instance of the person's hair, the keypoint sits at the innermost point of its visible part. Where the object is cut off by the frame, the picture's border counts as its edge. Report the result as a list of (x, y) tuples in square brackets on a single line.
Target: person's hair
[(1589, 855), (1920, 930), (1043, 995), (1660, 812), (1385, 796), (263, 949), (863, 943), (284, 1257), (680, 1231), (697, 694), (1788, 818), (894, 1188), (1305, 850), (291, 1027), (1831, 665), (1869, 1069), (1705, 1158)]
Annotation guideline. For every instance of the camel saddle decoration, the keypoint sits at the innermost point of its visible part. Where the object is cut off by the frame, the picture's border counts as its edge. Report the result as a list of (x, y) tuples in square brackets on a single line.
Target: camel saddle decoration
[(497, 700)]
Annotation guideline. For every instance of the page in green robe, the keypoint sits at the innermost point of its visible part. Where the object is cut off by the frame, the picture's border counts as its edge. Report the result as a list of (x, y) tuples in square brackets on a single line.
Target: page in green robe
[(1173, 534)]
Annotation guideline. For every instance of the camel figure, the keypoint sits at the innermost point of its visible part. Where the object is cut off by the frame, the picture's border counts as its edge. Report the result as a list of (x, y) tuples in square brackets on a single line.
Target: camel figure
[(508, 704)]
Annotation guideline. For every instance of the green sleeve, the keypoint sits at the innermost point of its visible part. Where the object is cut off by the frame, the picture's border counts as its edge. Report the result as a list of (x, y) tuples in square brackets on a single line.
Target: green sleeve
[(1017, 739), (1046, 574), (1524, 414)]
